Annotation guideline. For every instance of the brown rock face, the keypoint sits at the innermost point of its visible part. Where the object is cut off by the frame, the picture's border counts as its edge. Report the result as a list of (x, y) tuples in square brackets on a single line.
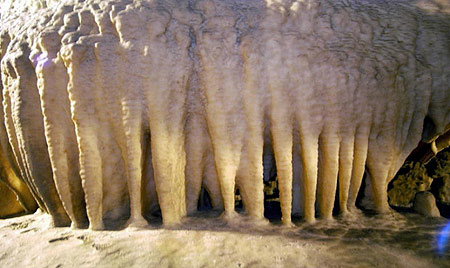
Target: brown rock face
[(412, 180), (8, 200), (15, 196)]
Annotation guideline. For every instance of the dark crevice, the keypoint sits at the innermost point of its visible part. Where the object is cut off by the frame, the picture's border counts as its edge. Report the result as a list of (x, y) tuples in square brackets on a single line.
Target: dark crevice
[(204, 201), (360, 196), (238, 204), (272, 207), (429, 129), (336, 207)]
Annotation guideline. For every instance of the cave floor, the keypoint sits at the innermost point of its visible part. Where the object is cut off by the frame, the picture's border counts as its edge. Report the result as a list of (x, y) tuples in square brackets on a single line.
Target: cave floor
[(395, 240)]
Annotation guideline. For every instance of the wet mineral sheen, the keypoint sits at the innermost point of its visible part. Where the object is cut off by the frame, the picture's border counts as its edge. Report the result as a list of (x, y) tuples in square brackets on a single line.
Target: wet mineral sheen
[(113, 108)]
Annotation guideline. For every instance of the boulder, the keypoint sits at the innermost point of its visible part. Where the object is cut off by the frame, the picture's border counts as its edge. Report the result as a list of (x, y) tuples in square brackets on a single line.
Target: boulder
[(425, 204)]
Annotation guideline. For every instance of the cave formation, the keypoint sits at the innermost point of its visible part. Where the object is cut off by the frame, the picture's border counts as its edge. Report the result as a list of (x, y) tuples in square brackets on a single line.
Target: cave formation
[(117, 108)]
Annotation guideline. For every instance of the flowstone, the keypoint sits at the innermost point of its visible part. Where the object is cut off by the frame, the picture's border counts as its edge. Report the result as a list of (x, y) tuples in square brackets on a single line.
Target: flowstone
[(112, 109)]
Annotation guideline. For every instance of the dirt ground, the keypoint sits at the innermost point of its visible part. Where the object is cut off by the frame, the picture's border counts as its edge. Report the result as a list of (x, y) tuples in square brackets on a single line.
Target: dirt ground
[(396, 240)]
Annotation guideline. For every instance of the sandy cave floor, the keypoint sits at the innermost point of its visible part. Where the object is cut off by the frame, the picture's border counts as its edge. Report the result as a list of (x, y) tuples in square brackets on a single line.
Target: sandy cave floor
[(396, 240)]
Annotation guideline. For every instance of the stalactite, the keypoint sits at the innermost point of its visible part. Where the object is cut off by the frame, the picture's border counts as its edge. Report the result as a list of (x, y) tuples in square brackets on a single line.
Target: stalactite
[(32, 147), (309, 154), (345, 172), (221, 80), (59, 129), (359, 163), (9, 74), (80, 81), (164, 93), (328, 173)]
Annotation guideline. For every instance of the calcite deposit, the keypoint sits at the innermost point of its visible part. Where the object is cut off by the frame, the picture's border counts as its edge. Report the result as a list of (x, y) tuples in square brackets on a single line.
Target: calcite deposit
[(113, 108)]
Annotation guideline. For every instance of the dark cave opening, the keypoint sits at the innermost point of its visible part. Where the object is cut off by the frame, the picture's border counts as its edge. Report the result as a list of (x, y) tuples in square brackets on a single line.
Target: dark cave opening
[(204, 201), (423, 171)]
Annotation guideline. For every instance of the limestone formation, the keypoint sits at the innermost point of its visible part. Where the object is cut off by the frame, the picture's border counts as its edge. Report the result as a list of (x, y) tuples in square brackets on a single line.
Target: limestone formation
[(425, 204), (111, 108)]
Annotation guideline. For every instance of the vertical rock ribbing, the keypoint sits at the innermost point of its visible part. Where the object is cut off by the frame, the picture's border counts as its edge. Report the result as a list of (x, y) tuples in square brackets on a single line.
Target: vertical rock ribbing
[(113, 108)]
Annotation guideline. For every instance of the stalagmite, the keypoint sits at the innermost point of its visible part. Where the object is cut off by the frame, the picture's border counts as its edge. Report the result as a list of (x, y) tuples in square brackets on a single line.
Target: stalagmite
[(112, 110)]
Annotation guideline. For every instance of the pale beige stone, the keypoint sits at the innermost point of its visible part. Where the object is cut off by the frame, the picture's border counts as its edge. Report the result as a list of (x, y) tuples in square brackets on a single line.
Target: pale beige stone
[(113, 107), (425, 204)]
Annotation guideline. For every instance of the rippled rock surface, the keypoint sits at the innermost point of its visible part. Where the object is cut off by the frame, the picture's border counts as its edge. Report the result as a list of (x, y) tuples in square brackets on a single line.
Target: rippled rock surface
[(111, 109)]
